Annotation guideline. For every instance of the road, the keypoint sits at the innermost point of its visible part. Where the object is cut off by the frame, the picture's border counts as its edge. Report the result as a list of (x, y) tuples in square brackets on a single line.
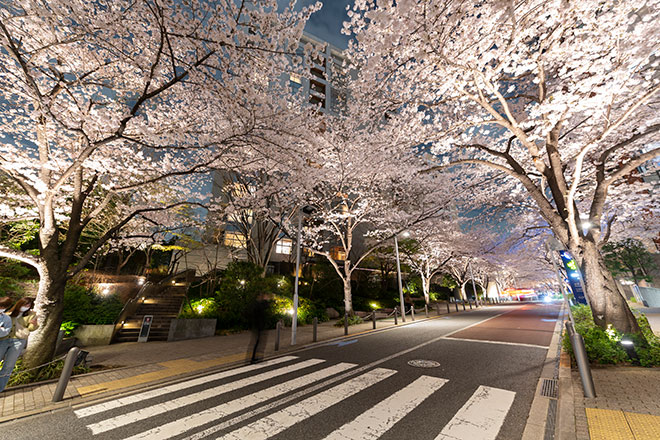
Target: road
[(464, 376)]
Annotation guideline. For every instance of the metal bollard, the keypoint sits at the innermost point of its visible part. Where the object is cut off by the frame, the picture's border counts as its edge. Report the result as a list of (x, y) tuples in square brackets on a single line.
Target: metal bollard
[(345, 323), (470, 304), (582, 361), (426, 310), (456, 304), (373, 319), (412, 312), (69, 363), (448, 310), (315, 322), (278, 331), (395, 313)]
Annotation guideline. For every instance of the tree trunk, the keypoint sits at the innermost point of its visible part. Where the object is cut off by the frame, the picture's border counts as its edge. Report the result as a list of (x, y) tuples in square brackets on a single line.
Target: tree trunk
[(348, 299), (607, 304), (49, 306), (426, 286)]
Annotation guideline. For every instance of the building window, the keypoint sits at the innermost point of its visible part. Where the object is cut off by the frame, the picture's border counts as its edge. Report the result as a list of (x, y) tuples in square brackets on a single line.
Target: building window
[(234, 239), (284, 246), (337, 253)]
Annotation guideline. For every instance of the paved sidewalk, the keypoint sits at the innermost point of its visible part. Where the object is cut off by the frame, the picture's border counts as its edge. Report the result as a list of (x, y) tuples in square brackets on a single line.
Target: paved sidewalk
[(147, 364), (626, 406)]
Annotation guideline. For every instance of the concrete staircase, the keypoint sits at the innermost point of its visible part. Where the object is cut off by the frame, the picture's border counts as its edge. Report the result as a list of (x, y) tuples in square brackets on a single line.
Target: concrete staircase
[(163, 302)]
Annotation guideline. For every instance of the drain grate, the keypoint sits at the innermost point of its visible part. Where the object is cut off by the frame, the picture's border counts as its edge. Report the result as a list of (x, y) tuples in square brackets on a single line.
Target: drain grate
[(549, 388)]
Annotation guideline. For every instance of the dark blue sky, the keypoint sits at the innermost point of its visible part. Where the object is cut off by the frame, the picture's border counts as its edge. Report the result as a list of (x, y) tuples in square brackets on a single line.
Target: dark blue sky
[(326, 24)]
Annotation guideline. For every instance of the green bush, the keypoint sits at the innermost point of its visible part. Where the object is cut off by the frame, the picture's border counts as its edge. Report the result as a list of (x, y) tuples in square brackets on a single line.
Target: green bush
[(85, 307), (603, 346), (648, 351), (203, 308), (20, 376), (68, 327)]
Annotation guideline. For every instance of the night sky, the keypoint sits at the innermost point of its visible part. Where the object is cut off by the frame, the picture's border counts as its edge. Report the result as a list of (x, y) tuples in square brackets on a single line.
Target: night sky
[(326, 24)]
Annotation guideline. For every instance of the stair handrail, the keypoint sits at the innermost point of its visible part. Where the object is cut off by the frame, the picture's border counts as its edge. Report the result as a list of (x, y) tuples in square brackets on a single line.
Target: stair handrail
[(129, 309)]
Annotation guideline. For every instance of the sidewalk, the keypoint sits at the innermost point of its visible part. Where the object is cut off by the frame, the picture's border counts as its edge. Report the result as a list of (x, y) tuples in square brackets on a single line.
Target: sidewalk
[(626, 406), (147, 364)]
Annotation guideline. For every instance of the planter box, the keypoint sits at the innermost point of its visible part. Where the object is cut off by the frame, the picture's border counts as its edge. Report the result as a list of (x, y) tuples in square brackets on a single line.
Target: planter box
[(181, 329), (89, 335)]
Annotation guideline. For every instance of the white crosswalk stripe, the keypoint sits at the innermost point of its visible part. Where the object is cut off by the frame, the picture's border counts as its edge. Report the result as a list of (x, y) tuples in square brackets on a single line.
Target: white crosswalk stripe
[(182, 425), (153, 410), (379, 419), (481, 417), (118, 403), (270, 411), (281, 420)]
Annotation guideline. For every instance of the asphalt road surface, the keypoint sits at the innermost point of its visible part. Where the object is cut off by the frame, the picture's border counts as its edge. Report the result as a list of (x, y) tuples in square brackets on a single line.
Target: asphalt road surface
[(465, 376)]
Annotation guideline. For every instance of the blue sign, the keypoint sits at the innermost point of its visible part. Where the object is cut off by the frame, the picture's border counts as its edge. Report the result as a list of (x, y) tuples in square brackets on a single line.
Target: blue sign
[(574, 276)]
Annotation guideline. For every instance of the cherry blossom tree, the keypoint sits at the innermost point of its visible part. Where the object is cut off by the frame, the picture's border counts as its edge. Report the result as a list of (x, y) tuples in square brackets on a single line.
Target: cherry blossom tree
[(136, 98), (361, 191), (559, 97), (431, 247)]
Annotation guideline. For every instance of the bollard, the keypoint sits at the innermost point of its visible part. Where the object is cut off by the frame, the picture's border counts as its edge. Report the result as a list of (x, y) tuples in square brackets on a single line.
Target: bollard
[(373, 319), (315, 322), (456, 304), (582, 361), (426, 310), (278, 331), (470, 304), (395, 313), (412, 312), (69, 363), (345, 323), (448, 310)]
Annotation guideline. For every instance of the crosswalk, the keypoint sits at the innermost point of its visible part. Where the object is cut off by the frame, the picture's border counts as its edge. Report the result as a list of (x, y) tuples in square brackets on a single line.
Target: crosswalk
[(234, 405)]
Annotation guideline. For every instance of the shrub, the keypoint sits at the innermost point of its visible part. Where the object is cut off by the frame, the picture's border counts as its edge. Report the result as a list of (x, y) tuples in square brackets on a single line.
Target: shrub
[(68, 327), (203, 308), (20, 376), (603, 346), (83, 306), (649, 352)]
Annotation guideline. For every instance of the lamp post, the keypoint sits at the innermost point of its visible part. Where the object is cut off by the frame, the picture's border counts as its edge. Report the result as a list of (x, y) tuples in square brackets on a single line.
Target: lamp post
[(294, 318), (398, 272)]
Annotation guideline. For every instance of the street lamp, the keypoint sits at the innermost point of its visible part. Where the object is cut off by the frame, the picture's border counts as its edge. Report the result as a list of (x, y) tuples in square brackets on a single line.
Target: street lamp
[(405, 234), (294, 318)]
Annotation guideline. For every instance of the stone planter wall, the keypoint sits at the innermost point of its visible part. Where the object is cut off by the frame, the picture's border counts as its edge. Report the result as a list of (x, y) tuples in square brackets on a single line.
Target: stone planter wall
[(89, 335), (181, 329)]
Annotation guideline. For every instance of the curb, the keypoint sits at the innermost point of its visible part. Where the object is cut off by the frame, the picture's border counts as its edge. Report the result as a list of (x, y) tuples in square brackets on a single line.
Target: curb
[(541, 418), (565, 427), (108, 395)]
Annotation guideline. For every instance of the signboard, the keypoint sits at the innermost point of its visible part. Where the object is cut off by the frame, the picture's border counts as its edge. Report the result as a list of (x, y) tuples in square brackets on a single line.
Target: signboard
[(574, 277), (146, 326)]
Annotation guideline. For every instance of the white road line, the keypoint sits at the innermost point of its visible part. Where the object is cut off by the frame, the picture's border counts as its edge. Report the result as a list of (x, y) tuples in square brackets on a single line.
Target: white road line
[(118, 403), (518, 344), (477, 323), (481, 417), (262, 409), (380, 418), (281, 420), (154, 410), (212, 414)]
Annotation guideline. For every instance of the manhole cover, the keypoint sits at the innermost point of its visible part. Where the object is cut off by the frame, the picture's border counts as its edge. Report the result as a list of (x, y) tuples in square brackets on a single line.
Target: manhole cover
[(423, 363)]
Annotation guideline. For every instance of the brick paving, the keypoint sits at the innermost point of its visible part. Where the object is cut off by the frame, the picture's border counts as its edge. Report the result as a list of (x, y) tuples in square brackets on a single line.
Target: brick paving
[(628, 389)]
